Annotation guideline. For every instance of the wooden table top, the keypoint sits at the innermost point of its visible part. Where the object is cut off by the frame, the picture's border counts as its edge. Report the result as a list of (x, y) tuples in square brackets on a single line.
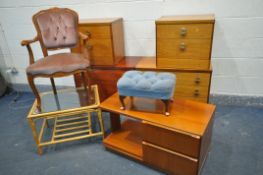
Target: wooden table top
[(186, 115)]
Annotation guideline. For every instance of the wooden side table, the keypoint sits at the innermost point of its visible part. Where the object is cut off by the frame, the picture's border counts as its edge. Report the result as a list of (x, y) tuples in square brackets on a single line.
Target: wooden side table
[(67, 115), (178, 144)]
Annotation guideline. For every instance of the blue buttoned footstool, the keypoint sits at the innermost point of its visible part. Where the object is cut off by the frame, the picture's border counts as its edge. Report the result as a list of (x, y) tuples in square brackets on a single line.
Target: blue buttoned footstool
[(148, 85)]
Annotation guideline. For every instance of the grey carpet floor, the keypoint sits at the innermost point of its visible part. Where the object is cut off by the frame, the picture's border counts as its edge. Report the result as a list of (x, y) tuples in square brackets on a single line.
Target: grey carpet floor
[(237, 146)]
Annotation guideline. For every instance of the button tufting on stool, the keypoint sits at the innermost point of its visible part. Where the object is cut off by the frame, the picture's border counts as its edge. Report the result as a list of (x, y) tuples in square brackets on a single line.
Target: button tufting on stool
[(147, 84)]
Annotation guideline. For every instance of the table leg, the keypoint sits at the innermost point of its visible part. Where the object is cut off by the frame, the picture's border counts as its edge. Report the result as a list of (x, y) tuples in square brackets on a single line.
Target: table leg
[(34, 131), (115, 122)]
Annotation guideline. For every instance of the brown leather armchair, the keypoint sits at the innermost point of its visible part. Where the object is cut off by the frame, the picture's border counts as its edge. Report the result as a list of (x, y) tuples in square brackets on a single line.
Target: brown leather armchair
[(57, 28)]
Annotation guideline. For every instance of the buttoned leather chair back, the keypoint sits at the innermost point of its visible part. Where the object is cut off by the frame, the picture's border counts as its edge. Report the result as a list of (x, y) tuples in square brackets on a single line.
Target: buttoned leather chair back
[(57, 28)]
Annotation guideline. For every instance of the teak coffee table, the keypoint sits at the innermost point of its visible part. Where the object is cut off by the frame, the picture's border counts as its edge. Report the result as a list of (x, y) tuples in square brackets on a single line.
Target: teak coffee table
[(178, 144)]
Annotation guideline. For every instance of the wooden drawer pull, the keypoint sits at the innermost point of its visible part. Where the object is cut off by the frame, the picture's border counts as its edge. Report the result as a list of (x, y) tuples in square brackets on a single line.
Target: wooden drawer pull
[(183, 31), (196, 93), (197, 80), (182, 46)]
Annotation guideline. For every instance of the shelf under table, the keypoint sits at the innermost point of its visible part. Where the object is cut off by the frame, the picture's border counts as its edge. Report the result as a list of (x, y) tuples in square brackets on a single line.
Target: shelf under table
[(127, 140)]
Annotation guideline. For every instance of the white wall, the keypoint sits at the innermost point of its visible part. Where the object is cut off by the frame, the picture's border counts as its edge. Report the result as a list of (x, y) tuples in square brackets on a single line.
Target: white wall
[(237, 48)]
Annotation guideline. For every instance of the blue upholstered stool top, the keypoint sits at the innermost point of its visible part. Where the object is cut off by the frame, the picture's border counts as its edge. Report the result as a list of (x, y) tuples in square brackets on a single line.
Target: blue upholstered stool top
[(147, 84)]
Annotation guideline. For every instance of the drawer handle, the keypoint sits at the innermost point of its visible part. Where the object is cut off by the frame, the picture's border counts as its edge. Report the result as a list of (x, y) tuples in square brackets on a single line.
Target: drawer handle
[(183, 31), (196, 93), (182, 46), (197, 80)]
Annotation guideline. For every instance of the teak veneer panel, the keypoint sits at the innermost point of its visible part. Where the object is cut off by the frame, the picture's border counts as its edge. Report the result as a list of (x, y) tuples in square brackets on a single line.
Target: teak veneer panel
[(184, 42), (175, 141), (186, 116), (168, 161), (194, 31), (194, 81), (127, 140), (177, 144), (184, 19), (194, 48), (106, 40)]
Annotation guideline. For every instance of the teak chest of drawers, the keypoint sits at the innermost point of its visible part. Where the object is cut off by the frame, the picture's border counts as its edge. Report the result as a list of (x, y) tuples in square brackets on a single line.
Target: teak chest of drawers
[(184, 42), (177, 144), (106, 42), (191, 63)]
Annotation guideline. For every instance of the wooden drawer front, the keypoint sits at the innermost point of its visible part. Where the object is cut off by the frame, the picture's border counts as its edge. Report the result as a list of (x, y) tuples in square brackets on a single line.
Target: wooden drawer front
[(185, 31), (192, 79), (194, 86), (97, 31), (184, 49), (191, 92), (169, 161), (169, 62), (176, 141)]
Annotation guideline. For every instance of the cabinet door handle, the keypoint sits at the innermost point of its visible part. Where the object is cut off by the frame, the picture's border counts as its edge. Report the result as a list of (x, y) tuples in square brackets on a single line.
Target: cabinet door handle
[(196, 93), (182, 46), (197, 80), (183, 31)]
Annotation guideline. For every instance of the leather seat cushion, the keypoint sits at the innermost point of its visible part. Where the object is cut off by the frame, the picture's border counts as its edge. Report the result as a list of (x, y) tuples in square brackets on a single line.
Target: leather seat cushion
[(58, 63)]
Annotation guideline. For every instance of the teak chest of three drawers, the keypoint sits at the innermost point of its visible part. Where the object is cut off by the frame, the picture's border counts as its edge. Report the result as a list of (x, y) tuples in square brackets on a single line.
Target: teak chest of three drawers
[(184, 42)]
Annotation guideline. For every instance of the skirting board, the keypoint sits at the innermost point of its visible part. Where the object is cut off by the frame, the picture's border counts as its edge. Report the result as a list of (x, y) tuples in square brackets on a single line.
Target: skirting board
[(214, 98)]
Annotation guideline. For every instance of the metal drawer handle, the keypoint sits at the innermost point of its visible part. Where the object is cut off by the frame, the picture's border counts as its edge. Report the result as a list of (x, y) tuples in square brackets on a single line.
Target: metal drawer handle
[(183, 31), (197, 80), (196, 93), (182, 46)]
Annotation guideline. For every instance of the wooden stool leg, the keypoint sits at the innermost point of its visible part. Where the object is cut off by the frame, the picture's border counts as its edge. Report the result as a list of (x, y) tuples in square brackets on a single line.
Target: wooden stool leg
[(53, 86), (166, 105), (31, 83), (122, 102)]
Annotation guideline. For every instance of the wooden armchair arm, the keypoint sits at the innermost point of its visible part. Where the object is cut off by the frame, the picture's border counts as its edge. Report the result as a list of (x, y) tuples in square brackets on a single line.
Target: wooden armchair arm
[(27, 44), (83, 37), (84, 47)]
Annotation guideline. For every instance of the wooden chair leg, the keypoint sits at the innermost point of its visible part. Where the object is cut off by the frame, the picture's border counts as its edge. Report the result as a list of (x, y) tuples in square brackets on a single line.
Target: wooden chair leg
[(31, 83), (166, 105), (89, 83), (53, 85), (84, 81), (122, 102)]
